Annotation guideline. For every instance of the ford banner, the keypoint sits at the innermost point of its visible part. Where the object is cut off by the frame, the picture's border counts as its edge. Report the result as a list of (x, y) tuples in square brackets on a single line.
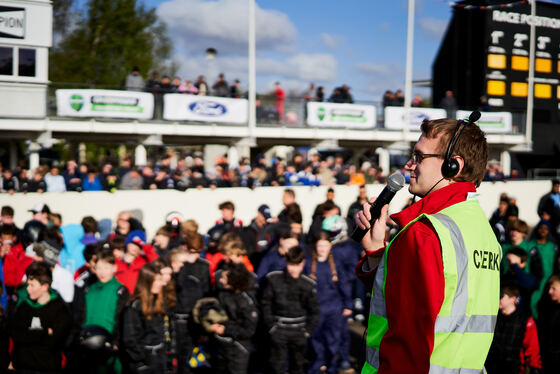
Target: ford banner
[(181, 107), (394, 117), (104, 103)]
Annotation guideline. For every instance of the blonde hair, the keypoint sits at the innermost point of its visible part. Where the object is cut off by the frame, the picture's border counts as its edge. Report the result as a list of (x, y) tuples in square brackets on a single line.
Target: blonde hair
[(189, 226), (228, 240), (234, 248)]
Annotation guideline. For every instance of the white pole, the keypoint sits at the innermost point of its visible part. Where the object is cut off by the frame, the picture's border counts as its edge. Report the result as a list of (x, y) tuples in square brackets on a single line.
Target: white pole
[(252, 71), (531, 79), (408, 75)]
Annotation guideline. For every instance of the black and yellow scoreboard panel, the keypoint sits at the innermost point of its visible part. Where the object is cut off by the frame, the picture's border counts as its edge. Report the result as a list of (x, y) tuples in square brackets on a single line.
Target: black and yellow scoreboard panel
[(507, 62)]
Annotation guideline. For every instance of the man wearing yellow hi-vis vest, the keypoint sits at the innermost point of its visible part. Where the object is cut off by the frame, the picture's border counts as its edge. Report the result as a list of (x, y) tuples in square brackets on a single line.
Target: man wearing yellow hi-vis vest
[(435, 286)]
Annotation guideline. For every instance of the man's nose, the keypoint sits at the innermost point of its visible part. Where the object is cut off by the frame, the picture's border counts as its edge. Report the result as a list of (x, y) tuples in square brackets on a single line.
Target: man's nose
[(410, 165)]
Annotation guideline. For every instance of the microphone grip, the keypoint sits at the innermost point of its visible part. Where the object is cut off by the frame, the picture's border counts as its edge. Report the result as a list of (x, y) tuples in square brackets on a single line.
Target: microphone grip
[(358, 234), (375, 211)]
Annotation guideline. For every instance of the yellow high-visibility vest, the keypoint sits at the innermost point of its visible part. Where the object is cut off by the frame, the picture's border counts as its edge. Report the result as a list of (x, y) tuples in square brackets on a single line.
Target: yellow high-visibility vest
[(464, 326)]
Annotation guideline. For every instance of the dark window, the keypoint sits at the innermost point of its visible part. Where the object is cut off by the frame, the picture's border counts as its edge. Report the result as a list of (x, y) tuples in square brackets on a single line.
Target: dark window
[(26, 62), (6, 61)]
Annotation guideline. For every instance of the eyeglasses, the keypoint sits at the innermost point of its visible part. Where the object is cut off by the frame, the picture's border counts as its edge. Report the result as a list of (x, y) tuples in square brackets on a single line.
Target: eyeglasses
[(417, 157)]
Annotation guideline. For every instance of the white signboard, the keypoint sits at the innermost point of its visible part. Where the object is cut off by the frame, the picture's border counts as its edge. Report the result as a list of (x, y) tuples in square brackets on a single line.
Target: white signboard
[(491, 122), (341, 115), (181, 107), (12, 22), (104, 103), (394, 117), (26, 23)]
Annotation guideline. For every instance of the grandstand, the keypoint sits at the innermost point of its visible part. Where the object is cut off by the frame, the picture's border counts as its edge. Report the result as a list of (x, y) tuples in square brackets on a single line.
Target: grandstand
[(230, 189), (42, 113)]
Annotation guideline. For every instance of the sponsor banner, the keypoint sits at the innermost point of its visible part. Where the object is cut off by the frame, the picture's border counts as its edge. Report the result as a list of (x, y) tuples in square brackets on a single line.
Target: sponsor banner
[(341, 115), (394, 117), (490, 122), (181, 107), (104, 103)]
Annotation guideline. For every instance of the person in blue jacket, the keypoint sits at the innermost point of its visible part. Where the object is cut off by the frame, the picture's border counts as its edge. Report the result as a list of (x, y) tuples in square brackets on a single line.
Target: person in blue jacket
[(91, 182), (346, 252), (4, 297), (274, 259), (335, 301)]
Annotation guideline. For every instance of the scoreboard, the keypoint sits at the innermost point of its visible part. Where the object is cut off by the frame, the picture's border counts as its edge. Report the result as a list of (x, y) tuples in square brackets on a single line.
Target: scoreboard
[(507, 56), (485, 52)]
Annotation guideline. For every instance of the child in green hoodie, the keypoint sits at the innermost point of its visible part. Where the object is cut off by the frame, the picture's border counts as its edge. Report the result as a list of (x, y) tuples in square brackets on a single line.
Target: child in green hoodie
[(96, 327), (38, 323)]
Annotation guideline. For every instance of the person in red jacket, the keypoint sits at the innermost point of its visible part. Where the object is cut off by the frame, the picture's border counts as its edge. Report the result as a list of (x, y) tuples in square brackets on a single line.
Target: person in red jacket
[(137, 254), (414, 288), (14, 258), (280, 96)]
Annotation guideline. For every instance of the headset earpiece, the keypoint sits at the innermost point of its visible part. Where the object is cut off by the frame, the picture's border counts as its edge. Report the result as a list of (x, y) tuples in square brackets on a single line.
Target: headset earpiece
[(450, 168)]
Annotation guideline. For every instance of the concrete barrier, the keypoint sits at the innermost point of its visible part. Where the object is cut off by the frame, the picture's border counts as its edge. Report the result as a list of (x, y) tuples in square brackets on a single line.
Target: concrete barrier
[(202, 205)]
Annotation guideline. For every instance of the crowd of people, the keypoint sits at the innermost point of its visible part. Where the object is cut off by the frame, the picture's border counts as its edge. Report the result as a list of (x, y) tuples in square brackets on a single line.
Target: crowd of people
[(188, 171), (107, 299), (158, 86), (529, 317), (221, 88), (184, 171), (396, 98), (341, 94), (243, 297)]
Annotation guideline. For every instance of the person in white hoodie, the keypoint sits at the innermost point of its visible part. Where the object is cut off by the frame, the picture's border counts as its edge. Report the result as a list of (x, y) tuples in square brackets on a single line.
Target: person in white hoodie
[(55, 182), (48, 251)]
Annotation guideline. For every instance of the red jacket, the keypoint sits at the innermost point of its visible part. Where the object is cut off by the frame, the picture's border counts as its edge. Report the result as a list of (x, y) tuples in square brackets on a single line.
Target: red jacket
[(530, 353), (414, 289), (15, 264), (79, 272), (127, 273), (214, 260)]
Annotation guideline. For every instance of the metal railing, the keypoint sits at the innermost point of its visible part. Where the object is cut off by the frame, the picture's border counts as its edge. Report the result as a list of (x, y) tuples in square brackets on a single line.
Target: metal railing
[(294, 114), (543, 173)]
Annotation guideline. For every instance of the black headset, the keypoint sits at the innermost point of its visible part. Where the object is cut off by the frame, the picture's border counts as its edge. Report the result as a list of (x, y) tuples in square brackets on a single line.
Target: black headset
[(450, 166)]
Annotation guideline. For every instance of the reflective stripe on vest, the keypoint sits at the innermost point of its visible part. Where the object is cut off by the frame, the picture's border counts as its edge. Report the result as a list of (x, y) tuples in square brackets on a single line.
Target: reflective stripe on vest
[(377, 318), (463, 332)]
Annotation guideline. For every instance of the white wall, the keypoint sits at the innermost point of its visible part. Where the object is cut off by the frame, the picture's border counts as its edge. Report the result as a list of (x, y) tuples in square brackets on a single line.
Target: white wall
[(202, 205)]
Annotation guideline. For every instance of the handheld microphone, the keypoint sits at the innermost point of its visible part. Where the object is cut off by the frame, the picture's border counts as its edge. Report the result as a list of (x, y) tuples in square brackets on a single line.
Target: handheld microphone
[(394, 184)]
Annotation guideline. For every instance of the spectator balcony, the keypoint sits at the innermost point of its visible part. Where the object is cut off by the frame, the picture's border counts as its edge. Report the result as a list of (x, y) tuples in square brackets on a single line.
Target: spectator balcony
[(111, 114)]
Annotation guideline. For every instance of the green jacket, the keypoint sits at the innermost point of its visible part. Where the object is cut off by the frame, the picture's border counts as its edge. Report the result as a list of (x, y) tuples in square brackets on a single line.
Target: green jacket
[(103, 304)]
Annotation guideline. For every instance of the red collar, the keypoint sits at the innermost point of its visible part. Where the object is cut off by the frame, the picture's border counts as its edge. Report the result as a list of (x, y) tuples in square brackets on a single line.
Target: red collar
[(435, 201)]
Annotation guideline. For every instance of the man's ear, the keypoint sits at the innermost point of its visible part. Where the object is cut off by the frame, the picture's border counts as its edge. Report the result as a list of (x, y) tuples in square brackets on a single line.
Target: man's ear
[(461, 162)]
